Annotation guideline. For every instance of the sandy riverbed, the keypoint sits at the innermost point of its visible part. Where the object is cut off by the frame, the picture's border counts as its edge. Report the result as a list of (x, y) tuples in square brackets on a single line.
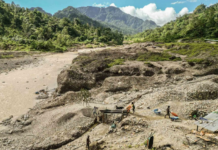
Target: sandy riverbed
[(18, 87)]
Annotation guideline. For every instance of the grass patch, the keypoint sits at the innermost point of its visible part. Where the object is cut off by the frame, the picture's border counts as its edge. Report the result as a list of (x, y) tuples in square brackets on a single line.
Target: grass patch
[(89, 46), (157, 57), (7, 56), (116, 62), (102, 45), (196, 60), (198, 53), (200, 61), (193, 49)]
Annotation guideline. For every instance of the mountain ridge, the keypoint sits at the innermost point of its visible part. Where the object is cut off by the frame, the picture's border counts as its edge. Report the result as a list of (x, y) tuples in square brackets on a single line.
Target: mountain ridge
[(40, 10), (117, 17)]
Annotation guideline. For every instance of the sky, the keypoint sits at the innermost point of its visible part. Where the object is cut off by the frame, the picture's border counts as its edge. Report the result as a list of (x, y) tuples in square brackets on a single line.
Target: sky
[(159, 11)]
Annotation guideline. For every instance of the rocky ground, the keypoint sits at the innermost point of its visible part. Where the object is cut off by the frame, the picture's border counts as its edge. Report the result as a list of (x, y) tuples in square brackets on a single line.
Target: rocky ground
[(63, 121)]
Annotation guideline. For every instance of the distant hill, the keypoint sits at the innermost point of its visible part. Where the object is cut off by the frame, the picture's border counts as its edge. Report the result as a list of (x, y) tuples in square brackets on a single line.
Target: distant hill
[(202, 23), (40, 10), (72, 13), (114, 16)]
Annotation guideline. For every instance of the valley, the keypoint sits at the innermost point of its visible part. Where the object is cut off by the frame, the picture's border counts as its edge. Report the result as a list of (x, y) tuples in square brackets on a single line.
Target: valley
[(62, 121), (107, 77)]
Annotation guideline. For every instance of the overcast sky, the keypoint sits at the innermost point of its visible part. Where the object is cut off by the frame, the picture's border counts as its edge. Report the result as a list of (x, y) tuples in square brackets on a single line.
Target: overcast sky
[(160, 11)]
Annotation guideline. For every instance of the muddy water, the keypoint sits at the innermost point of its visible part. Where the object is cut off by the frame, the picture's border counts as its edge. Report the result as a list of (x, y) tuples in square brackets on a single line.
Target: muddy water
[(18, 87)]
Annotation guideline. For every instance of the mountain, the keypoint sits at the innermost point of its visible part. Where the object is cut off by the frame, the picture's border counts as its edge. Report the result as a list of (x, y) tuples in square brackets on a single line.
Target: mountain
[(40, 10), (202, 23), (72, 13), (114, 16)]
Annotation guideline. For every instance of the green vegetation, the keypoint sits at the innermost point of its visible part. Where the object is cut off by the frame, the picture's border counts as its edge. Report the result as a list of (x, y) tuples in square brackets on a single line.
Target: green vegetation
[(89, 46), (40, 10), (193, 49), (85, 96), (118, 20), (199, 53), (196, 60), (157, 57), (7, 56), (116, 62), (202, 23), (23, 29)]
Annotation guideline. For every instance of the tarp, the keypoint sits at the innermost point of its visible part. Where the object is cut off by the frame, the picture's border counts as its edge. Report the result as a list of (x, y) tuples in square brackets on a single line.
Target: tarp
[(211, 122)]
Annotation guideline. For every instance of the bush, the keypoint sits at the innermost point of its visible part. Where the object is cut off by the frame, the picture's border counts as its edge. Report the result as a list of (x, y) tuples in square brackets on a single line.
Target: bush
[(33, 37), (4, 46)]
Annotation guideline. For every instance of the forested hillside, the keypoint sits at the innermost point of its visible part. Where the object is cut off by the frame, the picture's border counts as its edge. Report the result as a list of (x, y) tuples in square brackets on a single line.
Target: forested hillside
[(23, 29), (71, 13), (114, 16), (202, 23), (40, 10)]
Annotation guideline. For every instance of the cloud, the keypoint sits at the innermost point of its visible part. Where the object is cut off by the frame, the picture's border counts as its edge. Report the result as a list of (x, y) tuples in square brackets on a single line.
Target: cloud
[(150, 12), (113, 5), (181, 2), (178, 2), (183, 12), (101, 5), (192, 1)]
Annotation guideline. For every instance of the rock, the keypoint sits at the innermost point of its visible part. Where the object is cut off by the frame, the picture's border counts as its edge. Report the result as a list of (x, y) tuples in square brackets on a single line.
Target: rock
[(125, 70), (122, 83), (189, 78), (71, 80), (174, 70), (176, 78), (10, 132)]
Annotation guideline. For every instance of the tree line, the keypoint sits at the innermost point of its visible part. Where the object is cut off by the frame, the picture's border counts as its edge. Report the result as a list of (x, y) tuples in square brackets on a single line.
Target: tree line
[(23, 29)]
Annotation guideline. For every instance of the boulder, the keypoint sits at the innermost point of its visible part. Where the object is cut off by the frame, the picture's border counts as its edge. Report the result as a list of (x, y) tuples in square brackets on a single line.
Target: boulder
[(174, 70), (72, 80), (125, 70), (203, 91)]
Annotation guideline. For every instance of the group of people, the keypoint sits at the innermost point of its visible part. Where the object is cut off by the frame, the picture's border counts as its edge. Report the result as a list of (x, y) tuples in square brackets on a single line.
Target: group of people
[(114, 124), (167, 110)]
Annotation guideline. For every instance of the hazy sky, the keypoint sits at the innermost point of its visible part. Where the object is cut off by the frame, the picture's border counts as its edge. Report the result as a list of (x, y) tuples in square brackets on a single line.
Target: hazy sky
[(160, 11)]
